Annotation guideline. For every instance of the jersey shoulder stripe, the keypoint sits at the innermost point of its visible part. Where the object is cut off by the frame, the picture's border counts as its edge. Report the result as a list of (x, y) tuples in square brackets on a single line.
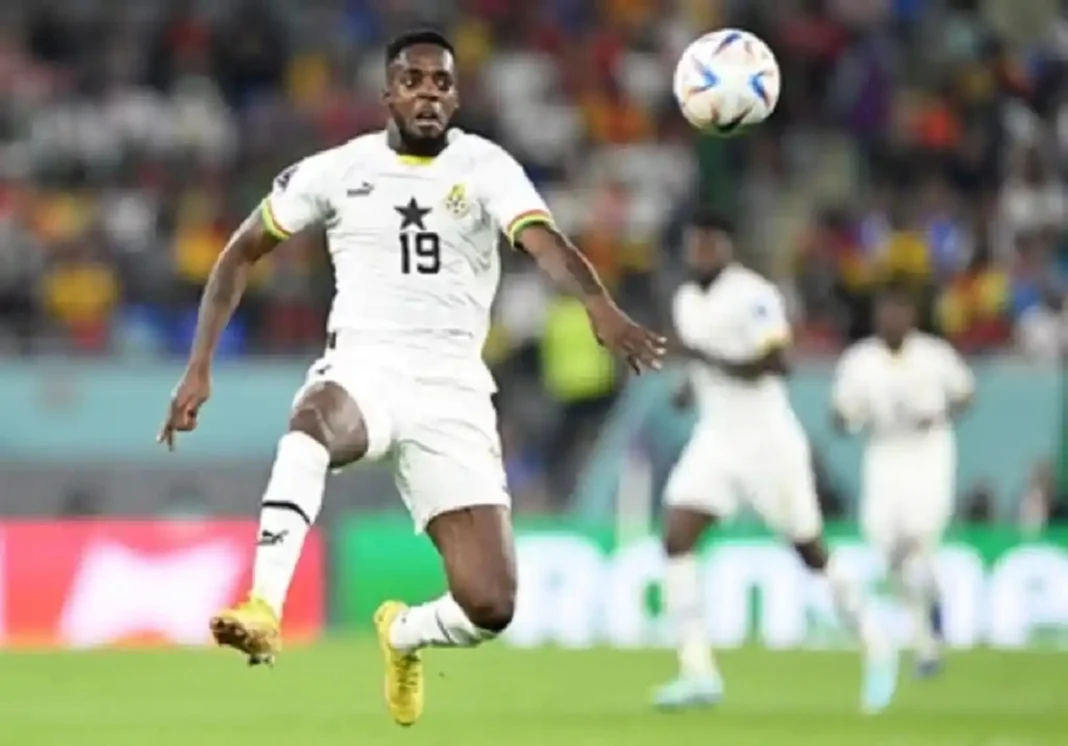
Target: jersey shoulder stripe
[(270, 222), (525, 220)]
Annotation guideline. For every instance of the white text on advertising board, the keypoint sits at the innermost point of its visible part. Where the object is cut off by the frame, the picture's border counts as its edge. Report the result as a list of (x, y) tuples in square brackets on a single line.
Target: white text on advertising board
[(573, 593)]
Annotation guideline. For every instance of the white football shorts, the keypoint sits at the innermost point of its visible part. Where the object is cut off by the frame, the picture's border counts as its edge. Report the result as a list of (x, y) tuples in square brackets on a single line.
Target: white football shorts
[(907, 496), (441, 437), (770, 470)]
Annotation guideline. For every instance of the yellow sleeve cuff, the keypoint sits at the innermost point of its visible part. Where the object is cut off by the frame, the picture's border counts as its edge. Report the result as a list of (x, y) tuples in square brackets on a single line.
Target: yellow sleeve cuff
[(525, 219), (271, 223)]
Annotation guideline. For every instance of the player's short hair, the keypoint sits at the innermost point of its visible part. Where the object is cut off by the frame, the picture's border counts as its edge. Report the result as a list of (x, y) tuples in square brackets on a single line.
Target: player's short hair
[(399, 44), (706, 217), (898, 290)]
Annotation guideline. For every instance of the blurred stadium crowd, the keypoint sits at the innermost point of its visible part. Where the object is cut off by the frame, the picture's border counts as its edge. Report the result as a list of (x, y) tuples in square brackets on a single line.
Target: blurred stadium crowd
[(917, 139)]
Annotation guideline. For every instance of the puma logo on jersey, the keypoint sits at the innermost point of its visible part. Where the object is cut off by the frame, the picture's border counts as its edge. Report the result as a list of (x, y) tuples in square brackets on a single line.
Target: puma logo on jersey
[(456, 203), (362, 190)]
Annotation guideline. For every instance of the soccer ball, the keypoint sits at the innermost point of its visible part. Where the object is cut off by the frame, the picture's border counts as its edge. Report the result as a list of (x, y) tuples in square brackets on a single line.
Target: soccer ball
[(727, 81)]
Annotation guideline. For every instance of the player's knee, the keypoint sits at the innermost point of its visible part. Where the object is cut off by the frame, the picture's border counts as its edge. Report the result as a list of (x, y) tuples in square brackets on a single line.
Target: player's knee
[(676, 543), (491, 610), (683, 529), (309, 420), (813, 554), (329, 416)]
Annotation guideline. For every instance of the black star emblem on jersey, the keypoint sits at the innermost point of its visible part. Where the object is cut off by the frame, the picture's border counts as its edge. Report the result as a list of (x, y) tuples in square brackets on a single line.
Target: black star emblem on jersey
[(412, 214)]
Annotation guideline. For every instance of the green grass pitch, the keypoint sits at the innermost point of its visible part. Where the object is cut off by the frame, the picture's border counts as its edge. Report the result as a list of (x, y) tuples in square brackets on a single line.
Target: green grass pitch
[(330, 694)]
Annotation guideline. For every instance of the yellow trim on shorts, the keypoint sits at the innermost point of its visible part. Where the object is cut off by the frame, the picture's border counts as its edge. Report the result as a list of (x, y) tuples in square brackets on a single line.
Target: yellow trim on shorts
[(524, 220), (270, 222)]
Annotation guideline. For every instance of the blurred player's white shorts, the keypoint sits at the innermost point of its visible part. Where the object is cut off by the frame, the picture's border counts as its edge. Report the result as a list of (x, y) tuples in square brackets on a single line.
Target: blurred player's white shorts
[(769, 469), (907, 496), (442, 437)]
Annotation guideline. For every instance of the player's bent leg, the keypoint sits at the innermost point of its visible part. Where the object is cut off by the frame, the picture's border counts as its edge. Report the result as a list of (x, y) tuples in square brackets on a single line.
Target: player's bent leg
[(477, 551), (699, 682), (325, 427), (789, 504), (856, 610), (850, 601), (912, 566)]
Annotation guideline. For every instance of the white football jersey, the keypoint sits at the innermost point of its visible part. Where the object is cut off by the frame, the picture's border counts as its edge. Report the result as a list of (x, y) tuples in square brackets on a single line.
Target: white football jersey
[(413, 240), (888, 392), (740, 317)]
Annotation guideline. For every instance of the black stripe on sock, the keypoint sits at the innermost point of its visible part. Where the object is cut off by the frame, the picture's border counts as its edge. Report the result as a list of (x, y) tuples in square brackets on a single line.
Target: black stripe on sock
[(286, 505)]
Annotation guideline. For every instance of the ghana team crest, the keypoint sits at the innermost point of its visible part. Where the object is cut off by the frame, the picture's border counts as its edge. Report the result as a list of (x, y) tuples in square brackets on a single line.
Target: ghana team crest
[(456, 203)]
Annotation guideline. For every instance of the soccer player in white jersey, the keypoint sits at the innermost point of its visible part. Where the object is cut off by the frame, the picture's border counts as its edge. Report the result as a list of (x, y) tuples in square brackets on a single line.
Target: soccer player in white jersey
[(747, 446), (412, 217), (903, 388)]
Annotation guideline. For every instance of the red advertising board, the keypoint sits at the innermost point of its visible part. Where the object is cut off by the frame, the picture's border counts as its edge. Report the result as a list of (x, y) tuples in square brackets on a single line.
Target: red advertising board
[(137, 582)]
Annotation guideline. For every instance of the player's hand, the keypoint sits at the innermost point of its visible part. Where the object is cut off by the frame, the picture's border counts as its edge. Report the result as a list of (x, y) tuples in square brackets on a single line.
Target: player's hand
[(189, 396), (641, 348)]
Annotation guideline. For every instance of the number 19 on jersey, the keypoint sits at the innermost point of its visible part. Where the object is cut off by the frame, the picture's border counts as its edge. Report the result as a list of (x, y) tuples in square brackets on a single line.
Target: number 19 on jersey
[(420, 253)]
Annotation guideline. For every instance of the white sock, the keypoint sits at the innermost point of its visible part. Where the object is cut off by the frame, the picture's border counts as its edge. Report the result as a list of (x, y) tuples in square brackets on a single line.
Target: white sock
[(919, 591), (682, 599), (440, 623), (291, 504), (855, 608)]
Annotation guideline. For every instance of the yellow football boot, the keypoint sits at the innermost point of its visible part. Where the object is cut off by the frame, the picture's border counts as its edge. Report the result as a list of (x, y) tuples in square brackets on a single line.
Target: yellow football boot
[(404, 671), (250, 627)]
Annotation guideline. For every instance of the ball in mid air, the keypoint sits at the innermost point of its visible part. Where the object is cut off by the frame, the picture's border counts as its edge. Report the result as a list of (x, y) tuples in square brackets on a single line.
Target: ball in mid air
[(727, 81)]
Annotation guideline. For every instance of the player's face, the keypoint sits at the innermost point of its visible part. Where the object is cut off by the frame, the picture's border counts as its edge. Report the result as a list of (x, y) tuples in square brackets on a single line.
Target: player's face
[(707, 252), (894, 317), (421, 93)]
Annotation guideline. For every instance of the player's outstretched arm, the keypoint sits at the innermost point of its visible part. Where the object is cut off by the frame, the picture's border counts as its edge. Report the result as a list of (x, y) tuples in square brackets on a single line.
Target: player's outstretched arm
[(226, 284), (569, 269), (772, 362), (252, 241)]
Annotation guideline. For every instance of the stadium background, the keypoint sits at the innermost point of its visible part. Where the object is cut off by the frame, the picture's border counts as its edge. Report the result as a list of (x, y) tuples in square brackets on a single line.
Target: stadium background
[(925, 140)]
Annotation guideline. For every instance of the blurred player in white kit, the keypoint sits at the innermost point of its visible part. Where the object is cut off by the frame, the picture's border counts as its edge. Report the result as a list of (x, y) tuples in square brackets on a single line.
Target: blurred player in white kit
[(412, 217), (747, 446), (903, 388)]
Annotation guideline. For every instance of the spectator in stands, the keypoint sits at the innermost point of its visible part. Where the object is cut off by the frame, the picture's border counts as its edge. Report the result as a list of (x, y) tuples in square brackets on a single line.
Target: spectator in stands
[(580, 377), (1042, 330), (251, 53), (972, 309), (1033, 273), (21, 260), (80, 291), (199, 235), (1033, 199)]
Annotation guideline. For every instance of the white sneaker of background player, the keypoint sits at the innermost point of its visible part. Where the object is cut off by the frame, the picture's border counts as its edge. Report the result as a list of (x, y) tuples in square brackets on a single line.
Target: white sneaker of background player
[(880, 678), (689, 691)]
